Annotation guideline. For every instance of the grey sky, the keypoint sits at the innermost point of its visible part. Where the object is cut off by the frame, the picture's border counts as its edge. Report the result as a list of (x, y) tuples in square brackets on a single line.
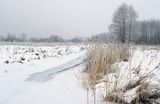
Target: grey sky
[(66, 18)]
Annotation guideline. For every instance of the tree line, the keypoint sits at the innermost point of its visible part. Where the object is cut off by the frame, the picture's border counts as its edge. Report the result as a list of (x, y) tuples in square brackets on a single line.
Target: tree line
[(126, 28), (52, 38)]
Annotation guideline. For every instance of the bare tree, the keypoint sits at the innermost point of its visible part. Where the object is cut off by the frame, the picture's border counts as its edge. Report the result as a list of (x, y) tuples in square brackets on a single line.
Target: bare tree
[(122, 22)]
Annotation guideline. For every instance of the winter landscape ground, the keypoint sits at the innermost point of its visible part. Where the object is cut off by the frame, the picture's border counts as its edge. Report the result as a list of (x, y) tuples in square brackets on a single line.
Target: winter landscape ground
[(50, 74), (20, 64)]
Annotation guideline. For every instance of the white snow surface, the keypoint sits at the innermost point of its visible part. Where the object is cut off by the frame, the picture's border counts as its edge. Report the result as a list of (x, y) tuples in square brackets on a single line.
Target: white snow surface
[(27, 82)]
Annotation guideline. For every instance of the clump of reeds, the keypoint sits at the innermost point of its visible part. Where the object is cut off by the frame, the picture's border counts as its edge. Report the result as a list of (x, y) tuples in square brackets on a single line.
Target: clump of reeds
[(100, 59)]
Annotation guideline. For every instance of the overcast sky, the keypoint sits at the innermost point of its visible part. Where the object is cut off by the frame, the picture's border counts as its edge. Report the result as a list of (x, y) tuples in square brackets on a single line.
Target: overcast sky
[(67, 18)]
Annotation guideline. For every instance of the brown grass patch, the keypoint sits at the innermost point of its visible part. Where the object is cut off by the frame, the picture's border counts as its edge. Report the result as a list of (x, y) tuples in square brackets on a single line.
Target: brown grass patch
[(101, 57)]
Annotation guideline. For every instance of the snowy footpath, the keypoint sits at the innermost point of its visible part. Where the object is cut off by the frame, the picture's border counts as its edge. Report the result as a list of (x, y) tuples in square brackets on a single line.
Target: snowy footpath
[(51, 80)]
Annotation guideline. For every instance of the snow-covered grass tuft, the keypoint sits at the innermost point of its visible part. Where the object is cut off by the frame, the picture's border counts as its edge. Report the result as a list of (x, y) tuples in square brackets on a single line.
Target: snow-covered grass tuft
[(137, 80)]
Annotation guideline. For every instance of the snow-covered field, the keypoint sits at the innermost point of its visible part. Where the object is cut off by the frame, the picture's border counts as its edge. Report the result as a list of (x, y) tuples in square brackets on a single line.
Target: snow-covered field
[(32, 74), (48, 74)]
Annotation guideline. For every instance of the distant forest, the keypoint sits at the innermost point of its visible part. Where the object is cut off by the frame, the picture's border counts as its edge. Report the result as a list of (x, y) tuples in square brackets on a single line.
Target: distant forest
[(24, 38), (53, 38)]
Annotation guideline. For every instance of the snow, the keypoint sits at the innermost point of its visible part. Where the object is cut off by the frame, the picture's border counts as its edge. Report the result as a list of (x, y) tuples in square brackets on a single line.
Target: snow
[(63, 89), (54, 56), (48, 74), (27, 82)]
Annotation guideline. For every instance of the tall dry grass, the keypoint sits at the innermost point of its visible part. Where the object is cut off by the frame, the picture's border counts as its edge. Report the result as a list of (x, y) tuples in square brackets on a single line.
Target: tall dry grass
[(99, 62), (101, 57)]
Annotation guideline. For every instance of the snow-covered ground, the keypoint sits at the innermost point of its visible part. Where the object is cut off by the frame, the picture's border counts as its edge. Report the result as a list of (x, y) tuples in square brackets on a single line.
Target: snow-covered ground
[(41, 74), (50, 74), (17, 58)]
